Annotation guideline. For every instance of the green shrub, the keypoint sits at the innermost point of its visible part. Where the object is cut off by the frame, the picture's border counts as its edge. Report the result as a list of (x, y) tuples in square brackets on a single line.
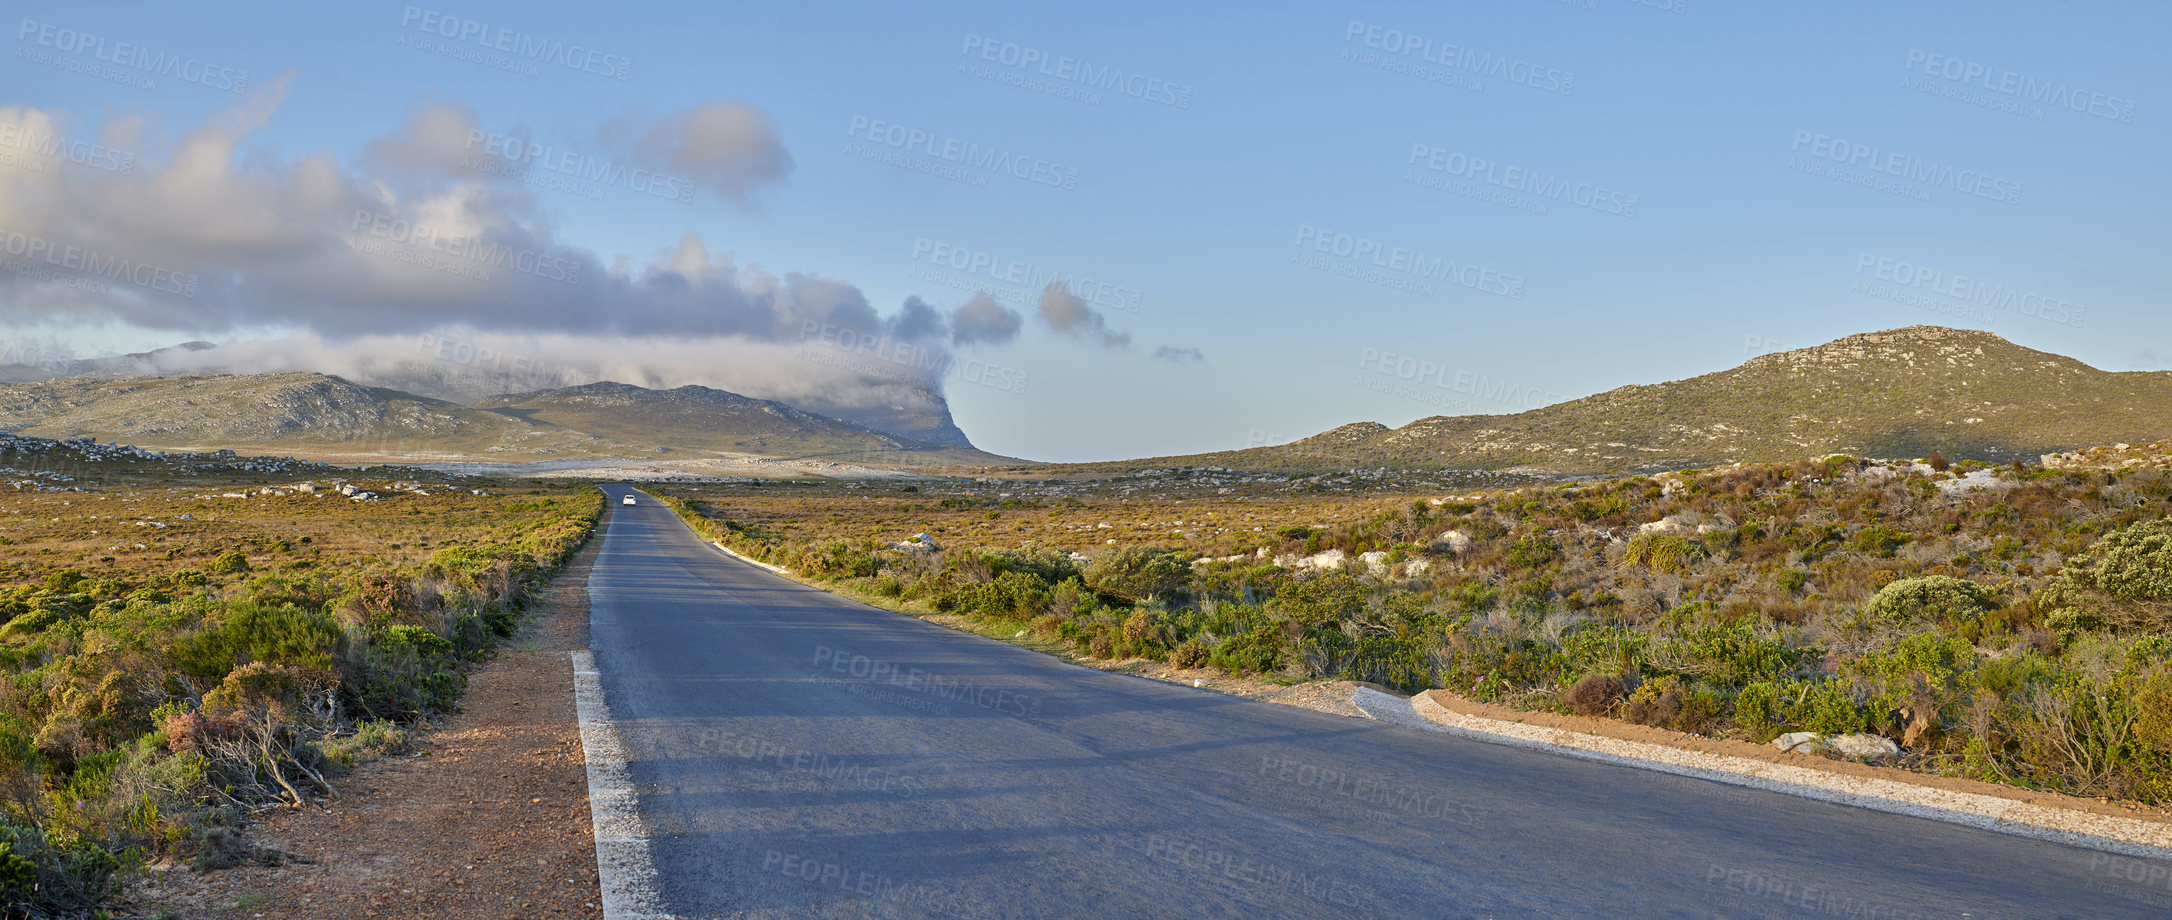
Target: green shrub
[(370, 738), (1323, 600), (1879, 540), (1662, 553), (228, 563), (2133, 563), (1256, 652), (1828, 710), (1533, 552), (1011, 596), (1757, 711), (42, 878), (1935, 599), (1138, 573)]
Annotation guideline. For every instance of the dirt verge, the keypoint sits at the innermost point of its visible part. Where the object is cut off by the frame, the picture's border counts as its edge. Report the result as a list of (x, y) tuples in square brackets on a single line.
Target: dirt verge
[(486, 818)]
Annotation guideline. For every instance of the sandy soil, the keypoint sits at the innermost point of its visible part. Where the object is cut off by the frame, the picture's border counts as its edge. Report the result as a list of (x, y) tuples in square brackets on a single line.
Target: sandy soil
[(487, 819)]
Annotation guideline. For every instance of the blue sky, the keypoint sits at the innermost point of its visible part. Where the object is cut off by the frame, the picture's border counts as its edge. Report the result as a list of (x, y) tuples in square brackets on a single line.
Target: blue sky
[(1694, 149)]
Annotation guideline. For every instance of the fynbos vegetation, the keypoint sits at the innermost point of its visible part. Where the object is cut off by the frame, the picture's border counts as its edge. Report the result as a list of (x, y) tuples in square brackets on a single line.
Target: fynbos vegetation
[(2009, 623), (175, 662)]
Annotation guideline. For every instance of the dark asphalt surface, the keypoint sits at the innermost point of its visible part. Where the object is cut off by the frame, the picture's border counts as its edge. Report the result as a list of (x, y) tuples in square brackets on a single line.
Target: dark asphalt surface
[(798, 755)]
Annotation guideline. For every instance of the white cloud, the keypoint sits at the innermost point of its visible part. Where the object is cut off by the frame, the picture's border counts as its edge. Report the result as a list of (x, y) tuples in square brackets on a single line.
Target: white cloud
[(1068, 314), (983, 321)]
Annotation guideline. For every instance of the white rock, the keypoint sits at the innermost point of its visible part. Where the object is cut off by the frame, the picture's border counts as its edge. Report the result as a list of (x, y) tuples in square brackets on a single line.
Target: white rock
[(1863, 745), (1376, 562), (1801, 743), (1457, 541), (1674, 525)]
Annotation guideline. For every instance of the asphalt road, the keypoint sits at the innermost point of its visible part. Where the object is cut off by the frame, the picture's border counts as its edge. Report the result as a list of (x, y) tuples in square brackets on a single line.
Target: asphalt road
[(799, 755)]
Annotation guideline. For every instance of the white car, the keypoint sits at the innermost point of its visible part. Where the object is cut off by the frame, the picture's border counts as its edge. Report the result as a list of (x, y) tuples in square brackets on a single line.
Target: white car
[(628, 500)]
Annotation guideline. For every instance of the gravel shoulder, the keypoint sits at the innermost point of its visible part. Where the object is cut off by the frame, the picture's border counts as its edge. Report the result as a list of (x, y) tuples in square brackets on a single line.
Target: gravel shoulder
[(487, 817)]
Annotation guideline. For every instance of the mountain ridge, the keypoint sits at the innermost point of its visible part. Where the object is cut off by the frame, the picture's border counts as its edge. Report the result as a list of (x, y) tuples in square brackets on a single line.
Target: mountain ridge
[(911, 413), (1897, 393), (305, 413)]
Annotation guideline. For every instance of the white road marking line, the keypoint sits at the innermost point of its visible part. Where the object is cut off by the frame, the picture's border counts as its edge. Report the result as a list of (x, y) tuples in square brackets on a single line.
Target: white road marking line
[(625, 869)]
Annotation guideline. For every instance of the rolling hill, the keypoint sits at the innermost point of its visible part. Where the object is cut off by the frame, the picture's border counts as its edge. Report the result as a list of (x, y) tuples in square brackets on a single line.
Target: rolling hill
[(293, 413), (1898, 393), (904, 411)]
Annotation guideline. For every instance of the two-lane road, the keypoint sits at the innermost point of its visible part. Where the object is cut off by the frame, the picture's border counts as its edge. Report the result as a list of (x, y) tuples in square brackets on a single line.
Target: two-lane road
[(798, 755)]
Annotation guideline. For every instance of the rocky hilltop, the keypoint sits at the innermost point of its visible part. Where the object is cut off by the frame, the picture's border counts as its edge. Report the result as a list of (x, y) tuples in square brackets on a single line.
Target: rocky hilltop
[(693, 418), (1898, 393)]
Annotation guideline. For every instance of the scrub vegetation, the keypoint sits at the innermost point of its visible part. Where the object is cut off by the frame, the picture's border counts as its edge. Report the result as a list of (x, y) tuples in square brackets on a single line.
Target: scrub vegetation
[(2010, 623), (176, 658)]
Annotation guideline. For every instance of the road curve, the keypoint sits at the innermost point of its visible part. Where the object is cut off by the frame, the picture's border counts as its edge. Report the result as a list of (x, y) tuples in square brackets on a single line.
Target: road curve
[(799, 755)]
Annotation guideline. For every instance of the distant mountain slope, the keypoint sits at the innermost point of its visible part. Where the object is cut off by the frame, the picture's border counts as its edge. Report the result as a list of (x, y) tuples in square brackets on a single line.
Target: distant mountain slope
[(899, 409), (319, 415), (930, 423), (693, 418), (1898, 393), (298, 411)]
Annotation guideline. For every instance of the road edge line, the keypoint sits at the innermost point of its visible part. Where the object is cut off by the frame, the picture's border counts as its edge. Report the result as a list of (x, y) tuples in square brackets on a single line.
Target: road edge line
[(2125, 836), (735, 554), (625, 870)]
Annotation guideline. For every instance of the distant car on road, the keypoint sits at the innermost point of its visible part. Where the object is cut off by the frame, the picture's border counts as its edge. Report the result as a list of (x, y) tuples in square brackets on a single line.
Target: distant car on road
[(628, 500)]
